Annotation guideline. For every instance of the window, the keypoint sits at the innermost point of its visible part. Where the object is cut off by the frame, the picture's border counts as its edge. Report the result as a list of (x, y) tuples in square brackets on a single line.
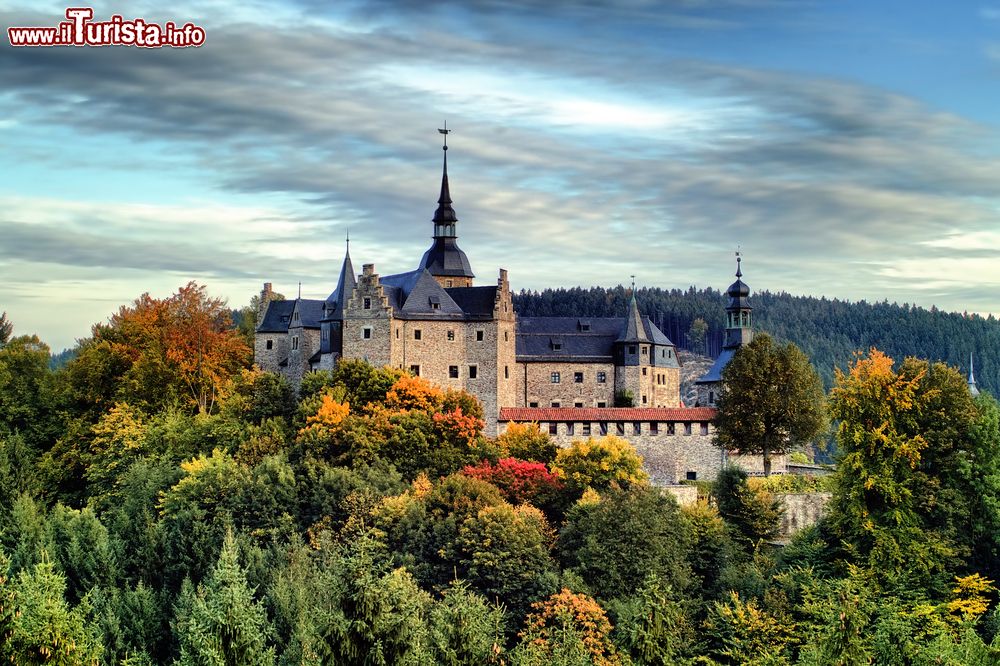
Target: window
[(295, 317), (368, 304), (602, 377), (636, 428), (415, 370), (555, 378), (505, 336), (670, 353), (644, 372), (704, 429), (326, 333), (670, 428), (644, 400), (397, 334), (602, 405), (645, 349), (451, 335), (417, 333), (687, 428), (553, 429), (603, 427), (585, 429), (532, 404), (556, 404), (473, 371), (620, 429), (295, 342), (479, 336), (557, 346), (578, 377), (366, 333), (435, 306), (692, 476), (578, 404), (569, 428), (654, 428), (453, 371), (447, 283), (270, 344), (711, 397), (506, 372)]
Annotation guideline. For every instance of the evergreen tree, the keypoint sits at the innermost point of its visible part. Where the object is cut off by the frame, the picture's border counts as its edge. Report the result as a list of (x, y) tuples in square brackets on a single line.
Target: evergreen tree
[(221, 623)]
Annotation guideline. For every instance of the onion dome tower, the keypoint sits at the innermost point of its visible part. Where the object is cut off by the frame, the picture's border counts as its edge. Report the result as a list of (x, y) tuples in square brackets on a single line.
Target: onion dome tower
[(739, 314)]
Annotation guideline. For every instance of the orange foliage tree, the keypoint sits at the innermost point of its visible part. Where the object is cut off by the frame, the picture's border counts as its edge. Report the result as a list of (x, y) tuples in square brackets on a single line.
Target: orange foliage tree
[(565, 615), (185, 343)]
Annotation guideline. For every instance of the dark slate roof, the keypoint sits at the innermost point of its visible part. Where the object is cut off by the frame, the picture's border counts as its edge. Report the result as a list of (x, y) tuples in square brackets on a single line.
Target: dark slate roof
[(714, 373), (538, 337), (635, 330), (475, 301), (591, 414), (345, 286), (311, 312), (414, 295), (277, 317), (316, 357), (444, 257)]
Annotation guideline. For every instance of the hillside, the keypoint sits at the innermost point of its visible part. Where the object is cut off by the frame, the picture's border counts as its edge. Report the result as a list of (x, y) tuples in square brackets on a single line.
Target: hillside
[(828, 330)]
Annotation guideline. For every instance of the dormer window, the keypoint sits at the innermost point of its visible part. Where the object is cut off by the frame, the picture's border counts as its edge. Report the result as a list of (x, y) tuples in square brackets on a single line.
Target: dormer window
[(584, 325), (435, 302)]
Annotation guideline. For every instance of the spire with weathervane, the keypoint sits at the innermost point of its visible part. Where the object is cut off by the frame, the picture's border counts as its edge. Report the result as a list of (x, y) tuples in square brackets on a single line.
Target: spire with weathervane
[(445, 260)]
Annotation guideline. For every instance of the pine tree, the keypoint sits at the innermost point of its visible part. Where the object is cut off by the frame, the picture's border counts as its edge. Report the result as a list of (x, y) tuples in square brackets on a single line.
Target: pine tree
[(224, 625)]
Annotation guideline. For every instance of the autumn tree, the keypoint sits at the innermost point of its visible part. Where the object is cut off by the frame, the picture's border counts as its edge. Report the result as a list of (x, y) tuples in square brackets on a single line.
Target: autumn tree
[(599, 463), (182, 348), (567, 629), (771, 400)]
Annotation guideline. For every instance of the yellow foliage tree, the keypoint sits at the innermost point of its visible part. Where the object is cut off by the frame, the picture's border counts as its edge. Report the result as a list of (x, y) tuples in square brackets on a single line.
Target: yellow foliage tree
[(599, 463)]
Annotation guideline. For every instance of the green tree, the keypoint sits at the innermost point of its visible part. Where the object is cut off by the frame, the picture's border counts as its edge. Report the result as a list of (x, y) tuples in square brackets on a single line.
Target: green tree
[(6, 329), (466, 630), (221, 623), (43, 629), (26, 396), (771, 400), (697, 335), (753, 514), (652, 626), (615, 543)]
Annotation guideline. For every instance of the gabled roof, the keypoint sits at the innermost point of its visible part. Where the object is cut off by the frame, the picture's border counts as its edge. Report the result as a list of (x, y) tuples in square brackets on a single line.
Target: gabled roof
[(311, 312), (417, 295), (427, 297), (277, 317), (590, 414)]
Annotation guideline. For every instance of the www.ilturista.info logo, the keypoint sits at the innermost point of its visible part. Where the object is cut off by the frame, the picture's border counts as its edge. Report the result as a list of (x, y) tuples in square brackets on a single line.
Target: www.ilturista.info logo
[(80, 30)]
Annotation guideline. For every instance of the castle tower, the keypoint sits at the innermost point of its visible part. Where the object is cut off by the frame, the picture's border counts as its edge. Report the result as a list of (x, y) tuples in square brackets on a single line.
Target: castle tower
[(972, 379), (445, 261), (739, 320)]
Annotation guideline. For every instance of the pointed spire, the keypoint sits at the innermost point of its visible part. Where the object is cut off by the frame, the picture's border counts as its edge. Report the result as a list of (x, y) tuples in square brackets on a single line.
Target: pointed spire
[(445, 214), (972, 378), (634, 329), (345, 285)]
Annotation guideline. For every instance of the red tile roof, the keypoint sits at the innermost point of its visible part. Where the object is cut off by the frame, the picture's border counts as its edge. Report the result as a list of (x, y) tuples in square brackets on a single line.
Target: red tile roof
[(584, 414)]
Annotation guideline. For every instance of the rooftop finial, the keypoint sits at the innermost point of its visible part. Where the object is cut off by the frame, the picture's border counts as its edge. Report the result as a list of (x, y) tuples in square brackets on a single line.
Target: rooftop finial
[(739, 259), (446, 132), (300, 291), (348, 240), (633, 284)]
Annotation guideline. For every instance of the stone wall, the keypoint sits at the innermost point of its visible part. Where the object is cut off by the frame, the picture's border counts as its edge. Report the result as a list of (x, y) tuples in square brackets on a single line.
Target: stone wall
[(537, 378), (685, 495), (268, 359), (377, 347), (801, 510)]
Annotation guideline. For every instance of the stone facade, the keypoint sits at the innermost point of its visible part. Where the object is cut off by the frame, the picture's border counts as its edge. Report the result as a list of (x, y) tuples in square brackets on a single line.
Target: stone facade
[(436, 323), (801, 510)]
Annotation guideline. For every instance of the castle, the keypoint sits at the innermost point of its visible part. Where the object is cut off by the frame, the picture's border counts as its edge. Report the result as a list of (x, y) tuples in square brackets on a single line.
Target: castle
[(574, 376)]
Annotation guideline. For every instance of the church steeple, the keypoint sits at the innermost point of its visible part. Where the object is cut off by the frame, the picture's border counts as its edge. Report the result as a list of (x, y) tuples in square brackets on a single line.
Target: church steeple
[(445, 260), (739, 314), (972, 379)]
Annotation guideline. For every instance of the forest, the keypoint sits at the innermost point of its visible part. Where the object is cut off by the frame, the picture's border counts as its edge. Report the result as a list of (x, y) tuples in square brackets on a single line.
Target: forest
[(164, 502), (829, 331)]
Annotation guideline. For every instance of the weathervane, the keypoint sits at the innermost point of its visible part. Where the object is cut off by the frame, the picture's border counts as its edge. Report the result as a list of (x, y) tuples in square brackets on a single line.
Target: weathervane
[(446, 132), (739, 260), (633, 283)]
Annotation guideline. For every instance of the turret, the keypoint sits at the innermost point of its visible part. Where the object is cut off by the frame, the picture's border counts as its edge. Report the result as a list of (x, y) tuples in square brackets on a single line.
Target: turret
[(739, 320)]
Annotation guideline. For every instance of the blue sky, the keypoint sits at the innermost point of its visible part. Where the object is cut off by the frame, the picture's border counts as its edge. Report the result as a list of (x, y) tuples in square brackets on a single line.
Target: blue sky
[(850, 149)]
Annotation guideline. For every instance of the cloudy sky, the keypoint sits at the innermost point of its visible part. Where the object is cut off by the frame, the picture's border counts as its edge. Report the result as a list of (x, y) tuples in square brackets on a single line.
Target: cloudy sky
[(850, 148)]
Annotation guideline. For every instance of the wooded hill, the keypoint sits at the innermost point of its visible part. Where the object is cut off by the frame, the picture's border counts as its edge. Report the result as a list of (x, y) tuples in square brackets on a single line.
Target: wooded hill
[(828, 330)]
